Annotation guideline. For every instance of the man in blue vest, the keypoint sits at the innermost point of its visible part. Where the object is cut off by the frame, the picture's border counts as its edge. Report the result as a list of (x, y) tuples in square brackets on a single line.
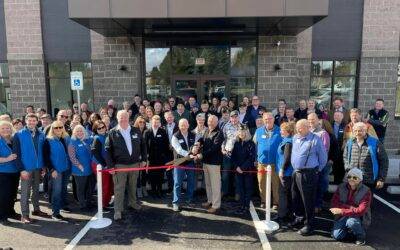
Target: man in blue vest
[(368, 154), (28, 144), (267, 139)]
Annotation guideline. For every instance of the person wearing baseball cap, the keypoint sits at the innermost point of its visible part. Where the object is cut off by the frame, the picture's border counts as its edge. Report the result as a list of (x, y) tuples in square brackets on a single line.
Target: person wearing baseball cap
[(351, 208)]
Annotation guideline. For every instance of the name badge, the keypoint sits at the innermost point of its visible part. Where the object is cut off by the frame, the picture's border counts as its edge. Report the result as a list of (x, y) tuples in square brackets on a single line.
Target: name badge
[(298, 141), (80, 145), (181, 141), (158, 136), (264, 136), (134, 136)]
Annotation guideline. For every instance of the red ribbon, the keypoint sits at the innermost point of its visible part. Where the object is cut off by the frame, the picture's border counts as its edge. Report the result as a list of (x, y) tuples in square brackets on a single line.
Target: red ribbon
[(150, 168)]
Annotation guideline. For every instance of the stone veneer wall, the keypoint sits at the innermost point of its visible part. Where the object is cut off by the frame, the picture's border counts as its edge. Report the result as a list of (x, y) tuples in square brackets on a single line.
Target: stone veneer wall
[(25, 54)]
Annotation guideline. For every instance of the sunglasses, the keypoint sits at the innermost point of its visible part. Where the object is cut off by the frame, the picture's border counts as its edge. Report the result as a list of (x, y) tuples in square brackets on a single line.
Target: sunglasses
[(352, 177), (100, 128), (142, 122), (64, 116), (58, 127)]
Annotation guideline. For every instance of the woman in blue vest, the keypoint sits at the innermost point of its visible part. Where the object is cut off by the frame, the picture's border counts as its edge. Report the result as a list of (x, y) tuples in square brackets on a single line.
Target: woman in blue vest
[(80, 156), (285, 170), (99, 157), (9, 175), (56, 160), (243, 158)]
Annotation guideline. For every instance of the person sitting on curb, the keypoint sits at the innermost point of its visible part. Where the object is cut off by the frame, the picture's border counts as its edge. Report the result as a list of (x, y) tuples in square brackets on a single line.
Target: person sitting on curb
[(351, 208)]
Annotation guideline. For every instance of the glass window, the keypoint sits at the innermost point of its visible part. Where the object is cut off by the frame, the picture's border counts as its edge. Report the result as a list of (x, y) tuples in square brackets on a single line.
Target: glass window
[(158, 89), (241, 87), (5, 100), (59, 70), (333, 78), (86, 69), (320, 90), (322, 68), (345, 87), (61, 95), (216, 60), (243, 61), (345, 68), (397, 113)]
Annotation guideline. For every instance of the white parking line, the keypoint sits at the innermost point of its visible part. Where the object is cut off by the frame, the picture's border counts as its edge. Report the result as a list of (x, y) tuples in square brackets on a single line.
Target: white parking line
[(80, 235), (387, 203), (259, 228)]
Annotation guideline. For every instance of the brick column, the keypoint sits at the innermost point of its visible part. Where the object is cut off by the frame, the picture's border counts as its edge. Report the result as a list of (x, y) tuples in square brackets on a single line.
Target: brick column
[(25, 54), (304, 55), (108, 55), (379, 61), (272, 84)]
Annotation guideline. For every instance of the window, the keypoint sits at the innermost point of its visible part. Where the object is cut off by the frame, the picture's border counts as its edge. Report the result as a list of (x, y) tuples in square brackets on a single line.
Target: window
[(397, 112), (61, 95), (5, 99), (333, 78), (158, 70)]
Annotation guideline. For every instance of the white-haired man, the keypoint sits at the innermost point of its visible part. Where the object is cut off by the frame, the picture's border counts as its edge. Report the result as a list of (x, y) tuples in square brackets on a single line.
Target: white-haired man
[(125, 148)]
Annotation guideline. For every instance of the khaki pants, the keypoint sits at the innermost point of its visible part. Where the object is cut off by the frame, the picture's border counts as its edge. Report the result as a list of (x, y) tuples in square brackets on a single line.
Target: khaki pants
[(262, 178), (212, 177), (120, 179)]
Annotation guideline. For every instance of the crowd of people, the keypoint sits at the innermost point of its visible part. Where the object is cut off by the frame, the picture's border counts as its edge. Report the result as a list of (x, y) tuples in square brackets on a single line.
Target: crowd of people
[(231, 145)]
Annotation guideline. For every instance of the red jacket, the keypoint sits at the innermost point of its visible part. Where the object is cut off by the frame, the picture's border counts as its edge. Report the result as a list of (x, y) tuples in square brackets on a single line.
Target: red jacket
[(349, 209)]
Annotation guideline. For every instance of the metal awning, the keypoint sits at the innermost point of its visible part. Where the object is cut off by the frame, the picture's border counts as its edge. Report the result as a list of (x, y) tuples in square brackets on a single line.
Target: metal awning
[(155, 17)]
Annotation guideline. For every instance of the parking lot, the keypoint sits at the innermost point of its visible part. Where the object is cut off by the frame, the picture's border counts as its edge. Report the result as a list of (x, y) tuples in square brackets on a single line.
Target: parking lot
[(157, 226)]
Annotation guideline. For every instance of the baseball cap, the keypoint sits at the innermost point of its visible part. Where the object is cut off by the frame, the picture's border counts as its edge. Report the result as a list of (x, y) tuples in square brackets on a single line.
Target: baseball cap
[(234, 113)]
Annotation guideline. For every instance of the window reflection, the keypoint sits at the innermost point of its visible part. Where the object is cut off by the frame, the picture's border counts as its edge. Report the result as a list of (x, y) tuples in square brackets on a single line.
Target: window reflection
[(333, 78), (5, 105), (243, 61), (241, 87), (61, 95)]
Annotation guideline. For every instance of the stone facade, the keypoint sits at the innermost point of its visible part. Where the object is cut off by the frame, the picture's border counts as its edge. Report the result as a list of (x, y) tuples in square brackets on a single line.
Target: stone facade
[(379, 61), (292, 80), (109, 54), (25, 54)]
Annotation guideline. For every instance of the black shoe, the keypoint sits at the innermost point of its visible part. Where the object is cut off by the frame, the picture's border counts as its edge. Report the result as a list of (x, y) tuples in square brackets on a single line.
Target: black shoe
[(305, 231), (15, 216), (240, 211), (4, 222), (57, 217), (295, 224)]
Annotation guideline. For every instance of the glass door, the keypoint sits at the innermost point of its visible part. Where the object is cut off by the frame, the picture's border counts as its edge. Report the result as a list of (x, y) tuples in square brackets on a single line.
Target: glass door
[(185, 86), (213, 87)]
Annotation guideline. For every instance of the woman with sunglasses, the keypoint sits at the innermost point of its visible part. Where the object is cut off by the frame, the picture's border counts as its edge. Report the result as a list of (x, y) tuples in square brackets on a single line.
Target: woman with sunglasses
[(99, 157), (243, 158), (351, 208), (9, 175), (55, 153), (80, 156), (140, 123), (92, 119)]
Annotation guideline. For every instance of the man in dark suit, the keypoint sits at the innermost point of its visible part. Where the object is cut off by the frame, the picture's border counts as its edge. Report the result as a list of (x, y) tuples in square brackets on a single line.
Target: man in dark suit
[(125, 148), (157, 144), (338, 126), (338, 105), (253, 111)]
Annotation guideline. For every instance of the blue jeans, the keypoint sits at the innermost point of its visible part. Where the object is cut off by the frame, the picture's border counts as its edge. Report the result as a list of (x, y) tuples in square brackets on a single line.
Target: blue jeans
[(58, 193), (179, 174), (226, 177), (323, 184), (348, 225)]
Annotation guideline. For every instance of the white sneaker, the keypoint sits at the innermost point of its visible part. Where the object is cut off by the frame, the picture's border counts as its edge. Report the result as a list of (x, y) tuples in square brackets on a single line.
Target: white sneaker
[(176, 208)]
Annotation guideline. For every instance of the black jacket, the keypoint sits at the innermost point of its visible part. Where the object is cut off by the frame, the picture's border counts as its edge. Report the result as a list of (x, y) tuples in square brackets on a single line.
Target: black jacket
[(244, 155), (117, 152), (157, 147), (212, 142)]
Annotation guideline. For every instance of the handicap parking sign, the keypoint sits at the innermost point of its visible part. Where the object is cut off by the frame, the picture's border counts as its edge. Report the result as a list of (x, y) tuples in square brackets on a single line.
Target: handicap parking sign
[(76, 80)]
